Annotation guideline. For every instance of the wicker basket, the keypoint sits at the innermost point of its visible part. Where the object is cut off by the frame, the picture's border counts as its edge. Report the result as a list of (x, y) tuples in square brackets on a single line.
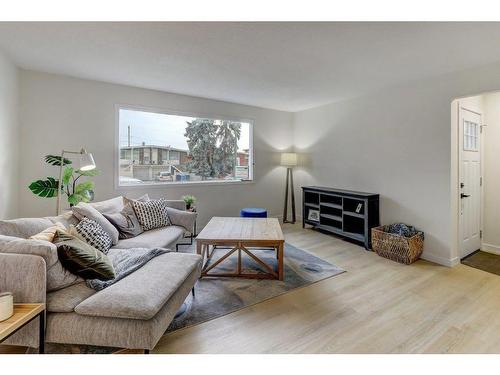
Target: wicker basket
[(395, 247)]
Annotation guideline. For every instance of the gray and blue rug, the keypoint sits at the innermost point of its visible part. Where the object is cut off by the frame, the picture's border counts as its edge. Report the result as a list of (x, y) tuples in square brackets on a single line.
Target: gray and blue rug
[(216, 297)]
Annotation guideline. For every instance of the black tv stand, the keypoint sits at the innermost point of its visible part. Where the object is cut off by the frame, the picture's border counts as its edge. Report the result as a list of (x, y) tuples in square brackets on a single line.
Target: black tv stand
[(346, 213)]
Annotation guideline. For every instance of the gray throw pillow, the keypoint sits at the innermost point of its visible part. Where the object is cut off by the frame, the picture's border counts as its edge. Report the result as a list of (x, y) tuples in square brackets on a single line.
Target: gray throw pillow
[(82, 210), (144, 198), (126, 222), (82, 259)]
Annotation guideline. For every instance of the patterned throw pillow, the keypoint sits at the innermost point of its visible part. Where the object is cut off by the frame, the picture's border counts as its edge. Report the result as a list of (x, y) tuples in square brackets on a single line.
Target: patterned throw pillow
[(94, 235), (152, 214)]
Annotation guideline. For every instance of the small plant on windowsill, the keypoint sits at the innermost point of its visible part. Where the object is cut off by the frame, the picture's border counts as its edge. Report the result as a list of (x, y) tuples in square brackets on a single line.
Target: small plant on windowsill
[(189, 200), (76, 192)]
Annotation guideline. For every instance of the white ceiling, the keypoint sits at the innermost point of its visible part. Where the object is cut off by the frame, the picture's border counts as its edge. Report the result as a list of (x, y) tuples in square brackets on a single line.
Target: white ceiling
[(286, 66)]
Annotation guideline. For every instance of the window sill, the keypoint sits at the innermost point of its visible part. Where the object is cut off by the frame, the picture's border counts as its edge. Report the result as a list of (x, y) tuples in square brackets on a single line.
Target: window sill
[(178, 184)]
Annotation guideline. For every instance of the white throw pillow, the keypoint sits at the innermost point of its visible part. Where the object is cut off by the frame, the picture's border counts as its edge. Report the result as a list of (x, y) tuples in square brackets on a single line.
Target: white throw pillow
[(152, 214), (94, 234)]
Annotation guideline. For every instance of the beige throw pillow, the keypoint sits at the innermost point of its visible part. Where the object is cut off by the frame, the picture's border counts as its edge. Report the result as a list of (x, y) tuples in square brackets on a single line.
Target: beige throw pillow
[(49, 233)]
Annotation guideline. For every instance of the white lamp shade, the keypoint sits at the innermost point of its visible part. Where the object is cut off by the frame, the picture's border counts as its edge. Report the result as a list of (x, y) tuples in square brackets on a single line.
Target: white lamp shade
[(86, 162), (289, 159)]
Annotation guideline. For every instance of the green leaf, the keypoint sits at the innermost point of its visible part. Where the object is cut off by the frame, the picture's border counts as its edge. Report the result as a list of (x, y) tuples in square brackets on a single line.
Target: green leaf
[(73, 199), (84, 196), (68, 172), (44, 188), (87, 196), (84, 186), (56, 160), (91, 173)]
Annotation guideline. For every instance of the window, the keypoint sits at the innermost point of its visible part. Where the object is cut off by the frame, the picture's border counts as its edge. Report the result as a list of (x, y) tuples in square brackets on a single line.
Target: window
[(164, 148), (471, 136)]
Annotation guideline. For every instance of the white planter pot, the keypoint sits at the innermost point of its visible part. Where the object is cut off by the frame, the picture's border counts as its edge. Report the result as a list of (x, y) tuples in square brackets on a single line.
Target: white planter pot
[(6, 306)]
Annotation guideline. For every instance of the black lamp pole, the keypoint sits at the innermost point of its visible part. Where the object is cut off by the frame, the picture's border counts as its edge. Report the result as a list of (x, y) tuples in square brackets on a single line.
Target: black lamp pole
[(289, 182)]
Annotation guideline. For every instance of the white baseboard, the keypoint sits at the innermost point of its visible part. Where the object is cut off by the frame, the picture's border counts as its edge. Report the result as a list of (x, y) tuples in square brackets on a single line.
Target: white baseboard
[(440, 260), (489, 248), (427, 256)]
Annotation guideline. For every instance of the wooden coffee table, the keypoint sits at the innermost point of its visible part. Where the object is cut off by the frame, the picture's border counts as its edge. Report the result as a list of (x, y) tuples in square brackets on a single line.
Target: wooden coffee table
[(241, 235)]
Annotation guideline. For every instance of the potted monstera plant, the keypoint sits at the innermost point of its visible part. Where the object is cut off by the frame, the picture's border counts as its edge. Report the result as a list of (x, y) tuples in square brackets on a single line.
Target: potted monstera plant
[(72, 187)]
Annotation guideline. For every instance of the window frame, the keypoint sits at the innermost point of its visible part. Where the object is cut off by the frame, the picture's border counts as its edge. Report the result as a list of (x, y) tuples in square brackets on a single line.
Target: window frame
[(164, 111), (472, 136)]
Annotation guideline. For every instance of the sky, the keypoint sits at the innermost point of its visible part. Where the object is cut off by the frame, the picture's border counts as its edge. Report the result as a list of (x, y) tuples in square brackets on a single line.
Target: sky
[(162, 130)]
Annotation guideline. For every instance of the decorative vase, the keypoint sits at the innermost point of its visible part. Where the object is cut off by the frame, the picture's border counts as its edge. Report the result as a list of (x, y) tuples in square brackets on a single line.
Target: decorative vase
[(6, 306)]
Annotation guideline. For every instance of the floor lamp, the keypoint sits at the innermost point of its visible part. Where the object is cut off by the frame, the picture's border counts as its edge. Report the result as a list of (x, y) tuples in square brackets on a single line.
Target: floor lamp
[(289, 160), (86, 164)]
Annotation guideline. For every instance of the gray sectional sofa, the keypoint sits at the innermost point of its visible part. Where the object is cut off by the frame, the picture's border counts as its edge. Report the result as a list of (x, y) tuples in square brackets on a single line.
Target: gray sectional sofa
[(132, 313)]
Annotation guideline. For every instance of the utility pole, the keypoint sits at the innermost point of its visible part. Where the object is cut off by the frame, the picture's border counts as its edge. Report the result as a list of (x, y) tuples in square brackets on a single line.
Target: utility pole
[(131, 152)]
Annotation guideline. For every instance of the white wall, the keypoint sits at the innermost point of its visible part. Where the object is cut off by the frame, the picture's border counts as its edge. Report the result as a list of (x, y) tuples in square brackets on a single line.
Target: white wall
[(9, 138), (398, 142), (491, 168), (61, 112)]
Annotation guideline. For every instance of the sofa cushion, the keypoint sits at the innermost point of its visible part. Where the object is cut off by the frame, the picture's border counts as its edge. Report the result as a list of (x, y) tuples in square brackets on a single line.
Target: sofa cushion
[(57, 276), (143, 293), (82, 210), (109, 206), (16, 245), (25, 227), (82, 259), (118, 333), (185, 219), (162, 237), (65, 300)]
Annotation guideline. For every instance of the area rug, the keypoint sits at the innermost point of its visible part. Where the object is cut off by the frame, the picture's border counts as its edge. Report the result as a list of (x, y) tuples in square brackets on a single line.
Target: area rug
[(484, 261), (216, 297)]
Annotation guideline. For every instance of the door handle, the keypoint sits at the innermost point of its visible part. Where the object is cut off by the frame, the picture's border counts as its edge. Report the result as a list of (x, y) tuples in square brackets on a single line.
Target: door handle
[(462, 196)]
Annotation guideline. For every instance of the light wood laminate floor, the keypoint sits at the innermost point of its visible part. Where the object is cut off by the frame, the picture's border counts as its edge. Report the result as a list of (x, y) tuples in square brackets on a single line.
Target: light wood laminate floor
[(377, 306)]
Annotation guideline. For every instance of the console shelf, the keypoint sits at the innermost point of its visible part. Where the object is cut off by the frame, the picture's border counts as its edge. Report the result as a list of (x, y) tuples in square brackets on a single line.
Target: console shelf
[(346, 213)]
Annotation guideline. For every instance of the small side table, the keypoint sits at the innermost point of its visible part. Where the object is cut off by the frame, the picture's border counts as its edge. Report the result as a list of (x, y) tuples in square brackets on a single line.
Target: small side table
[(24, 313), (192, 234)]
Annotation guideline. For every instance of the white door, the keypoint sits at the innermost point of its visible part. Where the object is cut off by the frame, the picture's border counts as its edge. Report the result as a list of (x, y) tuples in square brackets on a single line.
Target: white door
[(470, 181)]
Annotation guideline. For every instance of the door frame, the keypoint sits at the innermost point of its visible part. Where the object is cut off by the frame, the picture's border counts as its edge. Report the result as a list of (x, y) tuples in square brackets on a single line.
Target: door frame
[(481, 166)]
